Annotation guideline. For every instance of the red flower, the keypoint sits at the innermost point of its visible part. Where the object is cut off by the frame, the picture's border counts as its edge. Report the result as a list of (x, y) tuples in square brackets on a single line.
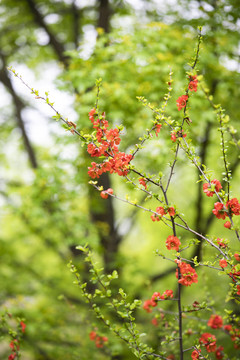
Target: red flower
[(173, 243), (146, 305), (195, 354), (210, 192), (209, 341), (228, 328), (233, 206), (99, 343), (237, 256), (168, 294), (175, 135), (188, 274), (155, 217), (142, 182), (181, 102), (227, 225), (12, 356), (219, 354), (238, 289), (155, 296), (157, 129), (99, 340), (221, 244), (92, 335), (218, 211), (215, 322), (223, 263), (160, 210), (104, 194), (14, 344), (155, 321), (23, 326), (235, 275), (171, 211), (193, 85)]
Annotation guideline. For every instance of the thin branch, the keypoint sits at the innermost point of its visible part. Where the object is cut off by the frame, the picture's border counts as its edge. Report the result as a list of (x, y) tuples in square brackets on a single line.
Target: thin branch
[(56, 44)]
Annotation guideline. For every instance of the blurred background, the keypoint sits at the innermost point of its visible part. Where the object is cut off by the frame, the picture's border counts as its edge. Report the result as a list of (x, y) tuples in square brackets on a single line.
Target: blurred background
[(47, 205)]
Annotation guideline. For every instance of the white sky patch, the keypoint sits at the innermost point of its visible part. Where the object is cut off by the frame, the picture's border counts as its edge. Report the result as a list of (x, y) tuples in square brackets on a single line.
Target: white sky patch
[(38, 115)]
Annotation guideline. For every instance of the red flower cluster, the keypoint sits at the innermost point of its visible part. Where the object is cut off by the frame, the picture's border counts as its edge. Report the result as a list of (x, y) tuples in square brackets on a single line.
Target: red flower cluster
[(188, 274), (193, 83), (219, 353), (12, 356), (156, 296), (14, 345), (178, 134), (207, 186), (235, 275), (168, 294), (104, 194), (99, 340), (195, 354), (142, 182), (157, 129), (209, 341), (218, 211), (23, 326), (233, 206), (234, 333), (182, 101), (215, 322), (173, 243), (106, 145), (161, 211), (221, 243)]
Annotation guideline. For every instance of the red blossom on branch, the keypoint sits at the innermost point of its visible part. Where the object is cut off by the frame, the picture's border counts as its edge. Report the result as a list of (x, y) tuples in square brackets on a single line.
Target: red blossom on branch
[(182, 101), (160, 210), (221, 243), (233, 206), (227, 225), (104, 194), (157, 129), (193, 85), (175, 135), (215, 322), (168, 294), (155, 322), (23, 326), (188, 274), (12, 356), (142, 182), (107, 145), (195, 354), (99, 340), (223, 263), (207, 187), (209, 341), (173, 243), (237, 256), (171, 211), (219, 211), (219, 353)]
